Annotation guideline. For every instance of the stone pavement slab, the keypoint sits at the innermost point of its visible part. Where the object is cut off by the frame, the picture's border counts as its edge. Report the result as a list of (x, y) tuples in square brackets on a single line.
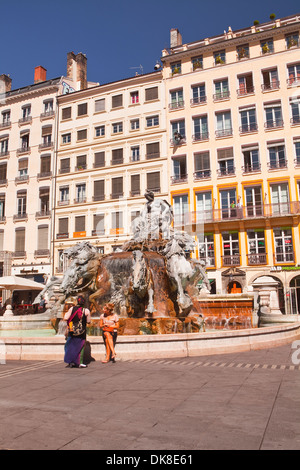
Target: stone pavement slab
[(234, 401)]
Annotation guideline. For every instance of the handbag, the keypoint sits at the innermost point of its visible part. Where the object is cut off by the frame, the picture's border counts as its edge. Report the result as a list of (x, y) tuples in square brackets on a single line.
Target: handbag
[(77, 328)]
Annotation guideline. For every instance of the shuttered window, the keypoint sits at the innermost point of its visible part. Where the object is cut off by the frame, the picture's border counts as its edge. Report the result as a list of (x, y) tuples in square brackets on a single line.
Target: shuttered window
[(82, 109), (46, 130), (82, 135), (67, 113), (43, 237), (80, 223), (117, 156), (81, 161), (63, 225), (135, 185), (1, 241), (99, 194), (117, 187), (153, 181), (99, 159), (46, 164), (65, 165), (151, 94), (98, 222), (23, 163), (152, 150), (117, 101), (20, 239), (3, 170), (224, 154), (99, 105), (117, 220)]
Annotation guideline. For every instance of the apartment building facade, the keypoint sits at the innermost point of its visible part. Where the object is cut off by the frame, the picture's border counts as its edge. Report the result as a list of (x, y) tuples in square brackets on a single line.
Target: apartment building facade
[(28, 126), (233, 128), (111, 147)]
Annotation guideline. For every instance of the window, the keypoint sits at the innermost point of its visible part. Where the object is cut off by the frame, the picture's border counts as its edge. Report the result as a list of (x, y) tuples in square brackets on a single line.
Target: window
[(117, 187), (294, 74), (135, 153), (176, 68), (179, 169), (226, 161), (206, 249), (117, 220), (224, 126), (270, 79), (295, 109), (297, 151), (152, 121), (251, 159), (100, 131), (277, 157), (44, 196), (46, 136), (23, 168), (2, 207), (221, 90), (117, 127), (256, 247), (117, 101), (248, 120), (219, 57), (254, 202), (5, 118), (98, 224), (99, 159), (117, 156), (66, 113), (245, 83), (21, 202), (82, 109), (43, 235), (66, 138), (63, 227), (267, 46), (197, 62), (273, 116), (176, 99), (284, 251), (292, 40), (228, 203), (204, 206), (26, 112), (99, 105), (135, 185), (231, 249), (152, 150), (81, 162), (280, 198), (202, 165), (134, 124), (4, 146), (82, 135), (200, 128), (153, 181), (243, 52), (151, 94), (198, 94), (64, 195), (20, 240), (80, 193), (99, 190), (25, 142), (134, 97), (181, 207), (48, 107), (178, 132), (65, 165), (80, 223)]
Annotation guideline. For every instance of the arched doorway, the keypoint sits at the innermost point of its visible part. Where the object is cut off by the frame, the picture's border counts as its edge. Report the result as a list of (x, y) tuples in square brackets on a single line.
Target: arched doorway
[(295, 295), (234, 287)]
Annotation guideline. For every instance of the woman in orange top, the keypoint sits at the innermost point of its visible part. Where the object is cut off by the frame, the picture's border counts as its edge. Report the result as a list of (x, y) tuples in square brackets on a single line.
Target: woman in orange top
[(109, 322)]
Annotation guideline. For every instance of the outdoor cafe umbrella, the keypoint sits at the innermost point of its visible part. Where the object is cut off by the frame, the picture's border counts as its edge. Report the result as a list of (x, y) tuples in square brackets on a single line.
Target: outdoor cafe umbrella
[(19, 283)]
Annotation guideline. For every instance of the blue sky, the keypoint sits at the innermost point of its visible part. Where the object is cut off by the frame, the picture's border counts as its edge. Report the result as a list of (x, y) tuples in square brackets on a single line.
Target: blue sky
[(116, 36)]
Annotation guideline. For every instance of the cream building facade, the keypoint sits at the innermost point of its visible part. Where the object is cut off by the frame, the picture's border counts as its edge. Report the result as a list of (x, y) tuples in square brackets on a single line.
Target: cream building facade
[(111, 147), (233, 130)]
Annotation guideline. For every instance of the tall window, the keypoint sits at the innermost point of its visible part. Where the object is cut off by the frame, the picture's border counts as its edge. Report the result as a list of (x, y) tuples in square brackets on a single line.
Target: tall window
[(43, 235), (179, 169), (64, 195), (176, 99), (283, 240), (254, 202), (98, 224), (135, 185), (231, 249), (277, 157), (178, 131), (273, 114), (80, 192), (80, 223), (204, 206), (221, 89), (228, 203), (198, 94), (248, 120), (135, 153), (200, 128), (245, 84), (134, 97), (226, 161), (117, 187), (219, 57), (202, 165), (21, 202), (224, 126), (294, 74), (99, 190), (181, 207), (280, 198), (20, 240), (256, 247), (206, 249), (153, 181), (270, 79), (251, 159), (267, 46), (295, 109)]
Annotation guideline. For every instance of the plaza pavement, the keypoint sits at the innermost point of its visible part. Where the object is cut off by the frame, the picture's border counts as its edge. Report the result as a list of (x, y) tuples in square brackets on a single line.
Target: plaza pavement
[(240, 401)]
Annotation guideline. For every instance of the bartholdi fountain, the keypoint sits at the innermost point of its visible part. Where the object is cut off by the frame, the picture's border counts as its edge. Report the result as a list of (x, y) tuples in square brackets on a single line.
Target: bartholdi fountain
[(152, 280)]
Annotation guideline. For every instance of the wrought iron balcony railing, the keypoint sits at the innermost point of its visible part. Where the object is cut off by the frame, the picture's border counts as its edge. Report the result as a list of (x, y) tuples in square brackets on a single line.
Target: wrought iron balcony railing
[(231, 260), (273, 85), (255, 259)]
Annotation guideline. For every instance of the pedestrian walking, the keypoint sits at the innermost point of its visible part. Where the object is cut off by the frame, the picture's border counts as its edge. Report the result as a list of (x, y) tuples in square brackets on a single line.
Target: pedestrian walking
[(109, 322), (77, 319)]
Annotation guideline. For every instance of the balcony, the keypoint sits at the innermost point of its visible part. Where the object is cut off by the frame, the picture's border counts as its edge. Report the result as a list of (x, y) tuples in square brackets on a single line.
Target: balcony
[(224, 132), (274, 85), (222, 95), (255, 259), (24, 149), (278, 165), (251, 168), (47, 114), (62, 171), (24, 120), (5, 125), (135, 192), (44, 174), (3, 182), (293, 81), (98, 233), (198, 100), (176, 141), (176, 105), (4, 153), (2, 219), (151, 156), (209, 261), (117, 161), (277, 124), (231, 260), (99, 197), (63, 202), (45, 252), (44, 213), (201, 174), (287, 257), (244, 91), (226, 172), (116, 195), (22, 179), (60, 236), (295, 120), (23, 216), (46, 145), (246, 128), (200, 136), (80, 200), (19, 254), (179, 179)]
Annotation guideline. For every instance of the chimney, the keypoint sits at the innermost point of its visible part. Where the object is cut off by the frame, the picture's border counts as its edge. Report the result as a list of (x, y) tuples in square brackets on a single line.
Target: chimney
[(5, 83), (77, 69), (175, 38), (40, 74)]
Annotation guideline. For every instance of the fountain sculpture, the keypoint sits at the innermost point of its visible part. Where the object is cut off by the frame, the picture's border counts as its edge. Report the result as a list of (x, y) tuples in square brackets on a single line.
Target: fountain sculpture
[(151, 280)]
